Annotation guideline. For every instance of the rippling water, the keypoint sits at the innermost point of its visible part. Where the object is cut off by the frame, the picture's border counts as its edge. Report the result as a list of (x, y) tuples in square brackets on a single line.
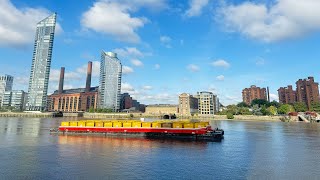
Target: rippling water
[(250, 150)]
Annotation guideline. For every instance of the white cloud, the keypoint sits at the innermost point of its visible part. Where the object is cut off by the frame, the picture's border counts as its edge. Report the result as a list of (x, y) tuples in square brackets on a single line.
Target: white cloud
[(113, 18), (95, 69), (220, 63), (193, 68), (136, 62), (127, 70), (160, 98), (281, 20), (157, 66), (147, 87), (274, 97), (196, 7), (126, 87), (220, 78), (17, 26), (68, 76), (260, 62), (165, 39), (232, 99), (129, 52)]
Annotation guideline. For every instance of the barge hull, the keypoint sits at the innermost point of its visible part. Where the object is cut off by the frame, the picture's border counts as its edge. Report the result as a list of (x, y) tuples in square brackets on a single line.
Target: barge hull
[(179, 133)]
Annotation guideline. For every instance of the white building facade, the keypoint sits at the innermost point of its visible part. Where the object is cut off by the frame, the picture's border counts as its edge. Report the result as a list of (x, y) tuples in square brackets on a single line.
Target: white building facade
[(208, 103), (6, 82), (15, 99), (110, 81)]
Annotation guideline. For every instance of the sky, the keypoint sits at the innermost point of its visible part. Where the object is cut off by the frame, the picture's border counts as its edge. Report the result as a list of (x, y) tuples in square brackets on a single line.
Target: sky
[(168, 47)]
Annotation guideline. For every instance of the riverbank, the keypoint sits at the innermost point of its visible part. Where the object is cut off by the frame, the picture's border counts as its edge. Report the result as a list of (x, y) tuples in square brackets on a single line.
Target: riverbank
[(249, 118), (137, 116)]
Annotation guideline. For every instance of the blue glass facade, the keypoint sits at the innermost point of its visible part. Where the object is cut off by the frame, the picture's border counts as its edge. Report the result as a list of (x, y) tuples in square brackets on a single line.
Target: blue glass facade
[(41, 63), (110, 81)]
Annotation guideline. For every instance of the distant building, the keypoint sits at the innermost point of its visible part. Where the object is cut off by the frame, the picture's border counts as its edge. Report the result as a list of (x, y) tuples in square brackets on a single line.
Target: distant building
[(254, 92), (207, 103), (287, 95), (216, 104), (110, 81), (41, 62), (15, 99), (161, 109), (307, 91), (188, 105), (74, 100), (127, 103), (6, 82)]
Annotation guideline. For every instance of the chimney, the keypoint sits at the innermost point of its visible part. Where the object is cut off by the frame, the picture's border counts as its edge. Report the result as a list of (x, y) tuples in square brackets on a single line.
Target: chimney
[(89, 73), (268, 94), (61, 80)]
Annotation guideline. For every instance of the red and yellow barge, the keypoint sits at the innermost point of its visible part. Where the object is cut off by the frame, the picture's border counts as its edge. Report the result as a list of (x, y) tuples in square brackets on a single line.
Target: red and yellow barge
[(157, 129)]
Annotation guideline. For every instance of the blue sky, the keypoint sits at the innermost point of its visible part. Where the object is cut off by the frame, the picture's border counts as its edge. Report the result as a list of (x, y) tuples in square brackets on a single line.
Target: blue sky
[(168, 47)]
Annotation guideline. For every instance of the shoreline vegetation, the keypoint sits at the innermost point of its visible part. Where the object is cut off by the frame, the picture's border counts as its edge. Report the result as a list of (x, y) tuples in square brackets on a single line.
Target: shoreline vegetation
[(276, 118)]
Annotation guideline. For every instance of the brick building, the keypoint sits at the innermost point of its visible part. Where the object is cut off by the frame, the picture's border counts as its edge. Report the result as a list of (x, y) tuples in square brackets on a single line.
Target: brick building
[(127, 103), (74, 100), (287, 95), (307, 91), (254, 92)]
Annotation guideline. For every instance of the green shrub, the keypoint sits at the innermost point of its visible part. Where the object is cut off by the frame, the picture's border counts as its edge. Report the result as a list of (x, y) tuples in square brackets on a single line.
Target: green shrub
[(230, 116)]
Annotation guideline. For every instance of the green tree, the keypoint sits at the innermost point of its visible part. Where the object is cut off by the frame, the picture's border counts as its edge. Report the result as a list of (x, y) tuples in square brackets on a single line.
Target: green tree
[(244, 111), (315, 106), (260, 102), (272, 110), (233, 109), (242, 104), (300, 107), (285, 109), (274, 103), (91, 109), (263, 110)]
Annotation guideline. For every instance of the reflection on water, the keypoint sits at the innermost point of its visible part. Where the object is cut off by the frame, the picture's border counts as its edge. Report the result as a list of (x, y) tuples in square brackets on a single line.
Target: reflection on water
[(250, 150)]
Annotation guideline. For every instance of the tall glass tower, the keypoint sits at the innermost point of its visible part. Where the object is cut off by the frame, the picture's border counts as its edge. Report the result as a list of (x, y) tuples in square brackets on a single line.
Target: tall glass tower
[(41, 62), (6, 82), (110, 81)]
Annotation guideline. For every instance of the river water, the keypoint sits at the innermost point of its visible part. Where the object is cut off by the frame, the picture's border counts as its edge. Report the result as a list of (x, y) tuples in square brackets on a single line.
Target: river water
[(250, 150)]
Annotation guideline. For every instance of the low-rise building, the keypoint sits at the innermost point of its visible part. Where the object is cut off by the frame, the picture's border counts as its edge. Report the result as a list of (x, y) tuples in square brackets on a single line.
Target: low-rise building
[(161, 109), (15, 99), (207, 103), (73, 100)]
